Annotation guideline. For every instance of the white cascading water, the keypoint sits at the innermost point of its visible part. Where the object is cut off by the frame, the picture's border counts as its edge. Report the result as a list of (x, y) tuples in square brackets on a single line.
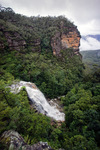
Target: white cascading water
[(37, 98)]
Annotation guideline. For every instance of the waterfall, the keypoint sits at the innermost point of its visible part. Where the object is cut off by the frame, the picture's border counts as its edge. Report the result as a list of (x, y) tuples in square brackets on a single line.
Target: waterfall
[(39, 100)]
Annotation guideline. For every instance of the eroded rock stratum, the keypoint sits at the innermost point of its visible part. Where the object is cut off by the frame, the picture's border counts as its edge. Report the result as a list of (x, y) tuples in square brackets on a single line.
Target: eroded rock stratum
[(38, 34), (62, 41)]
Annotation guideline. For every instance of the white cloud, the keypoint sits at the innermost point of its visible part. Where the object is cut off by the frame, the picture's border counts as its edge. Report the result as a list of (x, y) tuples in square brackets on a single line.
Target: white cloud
[(84, 13), (91, 27), (89, 44)]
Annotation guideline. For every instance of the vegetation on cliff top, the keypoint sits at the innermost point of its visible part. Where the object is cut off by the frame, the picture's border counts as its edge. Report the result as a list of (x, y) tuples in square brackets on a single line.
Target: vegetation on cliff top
[(32, 29)]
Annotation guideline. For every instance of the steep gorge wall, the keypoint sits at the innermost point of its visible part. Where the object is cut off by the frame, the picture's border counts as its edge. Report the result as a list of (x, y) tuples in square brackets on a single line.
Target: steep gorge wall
[(15, 41), (16, 38), (62, 41), (23, 37)]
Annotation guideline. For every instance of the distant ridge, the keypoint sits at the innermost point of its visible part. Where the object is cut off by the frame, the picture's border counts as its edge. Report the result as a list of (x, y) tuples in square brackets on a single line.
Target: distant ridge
[(89, 50), (97, 37), (91, 58)]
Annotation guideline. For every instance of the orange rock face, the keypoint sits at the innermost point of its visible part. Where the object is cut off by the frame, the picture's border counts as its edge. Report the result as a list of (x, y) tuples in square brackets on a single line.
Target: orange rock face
[(62, 41), (71, 40)]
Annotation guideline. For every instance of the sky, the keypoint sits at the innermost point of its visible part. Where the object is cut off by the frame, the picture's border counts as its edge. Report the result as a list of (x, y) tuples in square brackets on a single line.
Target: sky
[(84, 13)]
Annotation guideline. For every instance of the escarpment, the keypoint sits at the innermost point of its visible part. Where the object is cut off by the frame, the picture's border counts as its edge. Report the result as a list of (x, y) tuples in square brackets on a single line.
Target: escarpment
[(14, 40), (62, 41), (37, 34)]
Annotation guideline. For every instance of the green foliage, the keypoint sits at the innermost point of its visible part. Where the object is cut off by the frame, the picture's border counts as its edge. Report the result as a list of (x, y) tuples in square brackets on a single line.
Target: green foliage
[(54, 77), (35, 31), (15, 113), (83, 115)]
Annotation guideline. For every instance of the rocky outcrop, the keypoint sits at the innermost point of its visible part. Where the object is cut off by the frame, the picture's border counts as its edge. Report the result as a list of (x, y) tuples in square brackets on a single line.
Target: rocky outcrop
[(44, 34), (13, 141), (56, 44), (14, 40), (62, 41), (71, 40)]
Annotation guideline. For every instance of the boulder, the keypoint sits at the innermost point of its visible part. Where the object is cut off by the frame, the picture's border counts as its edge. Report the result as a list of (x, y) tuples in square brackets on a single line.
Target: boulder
[(13, 141)]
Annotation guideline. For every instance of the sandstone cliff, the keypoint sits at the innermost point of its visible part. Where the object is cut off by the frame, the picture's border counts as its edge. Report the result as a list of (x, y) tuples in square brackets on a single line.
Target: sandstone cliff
[(37, 34), (14, 40), (62, 41)]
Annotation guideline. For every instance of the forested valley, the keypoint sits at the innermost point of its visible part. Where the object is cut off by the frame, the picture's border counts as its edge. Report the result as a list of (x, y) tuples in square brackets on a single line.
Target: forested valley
[(64, 76)]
